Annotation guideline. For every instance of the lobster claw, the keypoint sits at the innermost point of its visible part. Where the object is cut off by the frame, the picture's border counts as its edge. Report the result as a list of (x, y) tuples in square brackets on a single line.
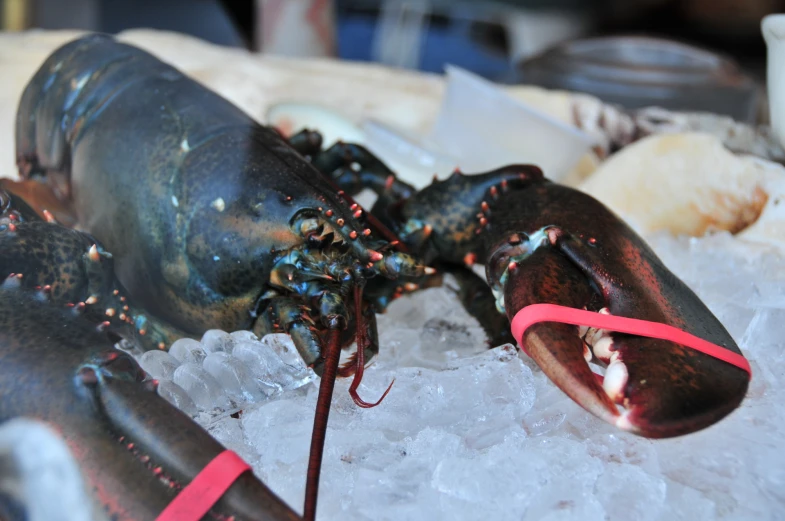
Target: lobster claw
[(666, 388)]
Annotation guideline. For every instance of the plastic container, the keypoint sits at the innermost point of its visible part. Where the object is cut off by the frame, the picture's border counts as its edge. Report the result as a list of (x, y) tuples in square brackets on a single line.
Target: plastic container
[(636, 72), (773, 28), (484, 128)]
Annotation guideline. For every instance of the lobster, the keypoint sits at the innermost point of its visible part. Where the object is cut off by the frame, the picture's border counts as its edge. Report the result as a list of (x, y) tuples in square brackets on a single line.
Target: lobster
[(60, 365), (212, 220)]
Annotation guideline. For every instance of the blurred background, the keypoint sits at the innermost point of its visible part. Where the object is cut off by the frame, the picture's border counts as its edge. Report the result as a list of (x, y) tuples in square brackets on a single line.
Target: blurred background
[(714, 44)]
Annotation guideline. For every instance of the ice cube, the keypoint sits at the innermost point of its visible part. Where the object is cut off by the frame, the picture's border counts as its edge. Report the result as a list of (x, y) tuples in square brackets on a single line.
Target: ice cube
[(176, 395), (267, 366), (236, 378), (202, 387), (188, 350), (159, 364), (243, 336), (229, 432), (627, 492), (283, 346), (215, 340)]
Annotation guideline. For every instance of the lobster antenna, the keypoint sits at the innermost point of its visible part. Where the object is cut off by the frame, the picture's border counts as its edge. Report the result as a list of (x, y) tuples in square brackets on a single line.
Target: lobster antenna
[(332, 355), (362, 343)]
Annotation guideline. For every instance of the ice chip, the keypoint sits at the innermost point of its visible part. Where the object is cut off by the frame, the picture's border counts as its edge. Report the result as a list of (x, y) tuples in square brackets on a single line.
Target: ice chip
[(236, 378), (159, 364), (627, 492), (440, 336), (215, 340), (188, 350), (201, 386), (176, 395), (543, 422), (265, 364)]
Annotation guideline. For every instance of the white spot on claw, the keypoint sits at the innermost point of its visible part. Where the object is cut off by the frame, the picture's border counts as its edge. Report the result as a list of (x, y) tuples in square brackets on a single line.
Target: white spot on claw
[(216, 258), (175, 202), (602, 348), (615, 380), (218, 204), (623, 422), (184, 146)]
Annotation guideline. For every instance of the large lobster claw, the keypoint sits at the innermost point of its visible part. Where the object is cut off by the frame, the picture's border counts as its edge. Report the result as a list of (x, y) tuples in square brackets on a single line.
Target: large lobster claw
[(564, 247)]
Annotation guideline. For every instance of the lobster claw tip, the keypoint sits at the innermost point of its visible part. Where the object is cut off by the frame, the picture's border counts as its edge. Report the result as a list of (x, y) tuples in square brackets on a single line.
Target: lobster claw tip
[(551, 347), (651, 388)]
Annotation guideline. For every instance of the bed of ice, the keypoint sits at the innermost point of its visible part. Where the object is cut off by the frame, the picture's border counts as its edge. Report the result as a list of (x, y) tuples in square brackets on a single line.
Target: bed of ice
[(470, 433)]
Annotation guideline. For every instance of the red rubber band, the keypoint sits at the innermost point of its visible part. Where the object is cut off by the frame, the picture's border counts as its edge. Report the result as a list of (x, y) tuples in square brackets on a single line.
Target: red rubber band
[(536, 313), (195, 500)]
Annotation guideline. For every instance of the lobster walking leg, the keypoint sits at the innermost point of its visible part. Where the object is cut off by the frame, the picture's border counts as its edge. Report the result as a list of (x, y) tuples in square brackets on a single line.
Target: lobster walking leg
[(353, 168)]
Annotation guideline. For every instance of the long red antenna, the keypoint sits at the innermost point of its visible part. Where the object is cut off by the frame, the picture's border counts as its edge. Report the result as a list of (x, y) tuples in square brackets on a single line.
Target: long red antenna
[(362, 343), (332, 355)]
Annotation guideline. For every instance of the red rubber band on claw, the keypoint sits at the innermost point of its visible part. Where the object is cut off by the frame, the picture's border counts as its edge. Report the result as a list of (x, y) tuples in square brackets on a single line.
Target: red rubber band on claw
[(536, 313), (196, 499)]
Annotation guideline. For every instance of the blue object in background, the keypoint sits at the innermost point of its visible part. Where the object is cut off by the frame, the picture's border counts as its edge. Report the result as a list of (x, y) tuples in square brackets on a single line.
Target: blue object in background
[(443, 44)]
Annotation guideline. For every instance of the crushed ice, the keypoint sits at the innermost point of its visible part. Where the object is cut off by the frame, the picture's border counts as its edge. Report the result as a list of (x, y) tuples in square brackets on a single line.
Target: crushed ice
[(470, 433)]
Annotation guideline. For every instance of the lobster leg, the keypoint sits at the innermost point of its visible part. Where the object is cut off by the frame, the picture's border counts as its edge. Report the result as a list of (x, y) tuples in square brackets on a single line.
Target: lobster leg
[(307, 142), (353, 168), (285, 315)]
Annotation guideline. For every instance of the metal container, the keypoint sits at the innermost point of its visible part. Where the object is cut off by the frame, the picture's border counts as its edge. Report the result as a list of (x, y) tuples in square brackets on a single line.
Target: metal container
[(636, 72)]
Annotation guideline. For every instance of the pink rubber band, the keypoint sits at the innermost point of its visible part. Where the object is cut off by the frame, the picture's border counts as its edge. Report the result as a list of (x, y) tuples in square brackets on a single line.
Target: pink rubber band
[(195, 500), (537, 313)]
